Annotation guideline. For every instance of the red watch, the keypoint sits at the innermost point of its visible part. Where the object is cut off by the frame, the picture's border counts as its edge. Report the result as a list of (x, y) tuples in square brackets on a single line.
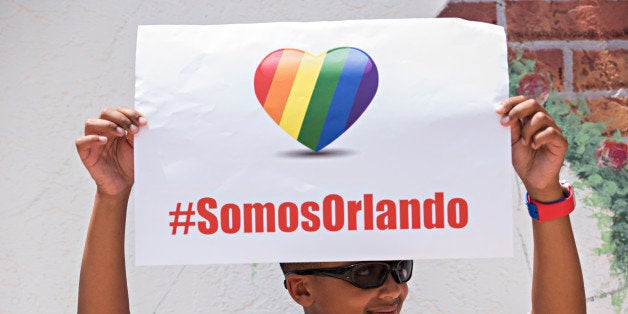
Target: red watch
[(548, 211)]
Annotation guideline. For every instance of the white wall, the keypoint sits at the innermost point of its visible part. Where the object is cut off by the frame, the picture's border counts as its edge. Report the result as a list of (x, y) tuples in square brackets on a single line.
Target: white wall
[(63, 61)]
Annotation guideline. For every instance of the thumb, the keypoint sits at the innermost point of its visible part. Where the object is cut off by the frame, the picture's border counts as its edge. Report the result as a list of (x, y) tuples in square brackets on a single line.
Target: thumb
[(515, 131), (130, 138)]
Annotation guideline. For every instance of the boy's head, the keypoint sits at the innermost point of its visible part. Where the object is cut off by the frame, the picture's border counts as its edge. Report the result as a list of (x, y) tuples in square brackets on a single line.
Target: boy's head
[(348, 287)]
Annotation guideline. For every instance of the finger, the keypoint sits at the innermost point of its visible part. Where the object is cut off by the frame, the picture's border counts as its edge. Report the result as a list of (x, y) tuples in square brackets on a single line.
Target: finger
[(552, 139), (522, 111), (507, 104), (137, 117), (534, 124), (120, 119), (515, 125), (103, 127), (89, 146), (134, 115)]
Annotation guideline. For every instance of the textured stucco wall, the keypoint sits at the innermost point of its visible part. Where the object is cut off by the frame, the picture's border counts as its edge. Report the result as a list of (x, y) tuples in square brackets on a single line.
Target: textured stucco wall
[(63, 61)]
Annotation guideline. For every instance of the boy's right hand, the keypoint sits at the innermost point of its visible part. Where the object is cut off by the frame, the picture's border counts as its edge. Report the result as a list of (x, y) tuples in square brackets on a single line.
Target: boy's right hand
[(107, 149)]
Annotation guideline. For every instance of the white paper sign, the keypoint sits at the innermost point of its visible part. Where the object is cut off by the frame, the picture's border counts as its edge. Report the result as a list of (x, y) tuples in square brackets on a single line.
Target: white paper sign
[(352, 140)]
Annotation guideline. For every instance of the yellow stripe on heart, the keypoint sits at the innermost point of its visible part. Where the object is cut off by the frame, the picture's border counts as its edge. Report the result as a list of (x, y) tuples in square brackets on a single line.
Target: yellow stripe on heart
[(300, 94)]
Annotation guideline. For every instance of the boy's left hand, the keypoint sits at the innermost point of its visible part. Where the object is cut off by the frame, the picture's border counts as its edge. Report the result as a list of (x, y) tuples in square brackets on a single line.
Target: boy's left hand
[(538, 146)]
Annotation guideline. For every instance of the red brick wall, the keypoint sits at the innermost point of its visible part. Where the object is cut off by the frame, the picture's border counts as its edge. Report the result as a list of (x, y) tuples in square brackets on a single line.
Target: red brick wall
[(582, 44)]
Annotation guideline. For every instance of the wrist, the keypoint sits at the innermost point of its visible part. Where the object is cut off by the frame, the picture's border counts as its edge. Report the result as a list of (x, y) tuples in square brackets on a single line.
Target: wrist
[(123, 193), (120, 198), (547, 194)]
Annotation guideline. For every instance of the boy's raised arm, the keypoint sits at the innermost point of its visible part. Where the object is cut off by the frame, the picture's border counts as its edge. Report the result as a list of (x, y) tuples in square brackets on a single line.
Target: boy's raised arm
[(538, 152), (106, 150)]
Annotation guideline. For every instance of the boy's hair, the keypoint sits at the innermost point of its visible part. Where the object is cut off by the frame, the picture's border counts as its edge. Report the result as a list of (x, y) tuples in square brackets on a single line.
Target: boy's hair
[(289, 267)]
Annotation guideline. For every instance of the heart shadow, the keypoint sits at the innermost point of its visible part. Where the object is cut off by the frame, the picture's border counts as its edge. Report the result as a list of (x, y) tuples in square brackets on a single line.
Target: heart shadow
[(307, 154)]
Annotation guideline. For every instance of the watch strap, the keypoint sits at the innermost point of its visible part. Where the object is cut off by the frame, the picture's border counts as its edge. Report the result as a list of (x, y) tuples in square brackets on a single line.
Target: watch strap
[(549, 211)]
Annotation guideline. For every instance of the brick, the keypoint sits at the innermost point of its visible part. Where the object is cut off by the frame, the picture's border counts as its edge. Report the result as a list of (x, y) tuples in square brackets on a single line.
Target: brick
[(481, 12), (590, 19), (612, 111), (600, 70), (547, 61)]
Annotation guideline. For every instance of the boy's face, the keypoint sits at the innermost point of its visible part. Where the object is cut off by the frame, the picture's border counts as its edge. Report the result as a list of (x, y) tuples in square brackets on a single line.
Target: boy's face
[(332, 295)]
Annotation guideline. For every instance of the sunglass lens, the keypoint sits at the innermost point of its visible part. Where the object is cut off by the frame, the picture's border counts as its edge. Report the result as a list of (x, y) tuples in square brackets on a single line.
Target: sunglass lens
[(404, 270), (370, 275)]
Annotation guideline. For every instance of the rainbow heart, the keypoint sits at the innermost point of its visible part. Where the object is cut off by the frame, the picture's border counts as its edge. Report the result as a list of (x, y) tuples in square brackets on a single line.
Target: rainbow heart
[(316, 98)]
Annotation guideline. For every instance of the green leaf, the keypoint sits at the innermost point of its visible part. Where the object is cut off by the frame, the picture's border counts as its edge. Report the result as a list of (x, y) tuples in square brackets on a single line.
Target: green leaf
[(582, 137), (617, 135), (606, 236), (583, 108), (611, 188), (594, 179)]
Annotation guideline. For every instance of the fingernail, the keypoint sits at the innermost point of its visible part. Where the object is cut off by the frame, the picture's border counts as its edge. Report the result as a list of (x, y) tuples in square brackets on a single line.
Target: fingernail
[(102, 138), (505, 120), (500, 107), (120, 130), (533, 146), (142, 120), (133, 128)]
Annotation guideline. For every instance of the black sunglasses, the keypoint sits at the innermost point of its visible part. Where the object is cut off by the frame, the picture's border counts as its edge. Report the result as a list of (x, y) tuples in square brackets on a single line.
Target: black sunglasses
[(364, 275)]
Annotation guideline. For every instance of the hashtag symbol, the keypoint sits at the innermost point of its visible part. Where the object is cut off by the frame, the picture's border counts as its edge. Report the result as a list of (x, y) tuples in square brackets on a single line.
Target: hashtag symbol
[(175, 223)]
